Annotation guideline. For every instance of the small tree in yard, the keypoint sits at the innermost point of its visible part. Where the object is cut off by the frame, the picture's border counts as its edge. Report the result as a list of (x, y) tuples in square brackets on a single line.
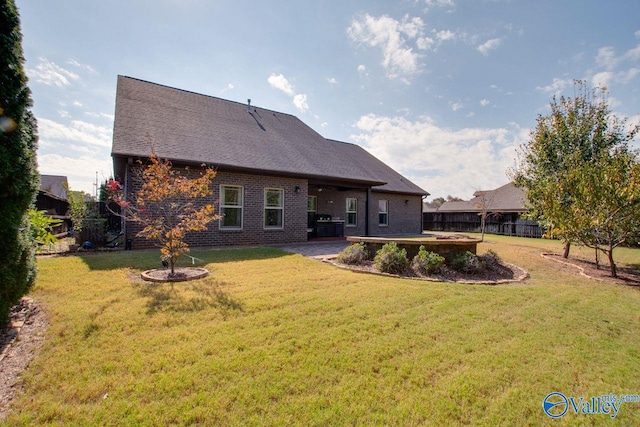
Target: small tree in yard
[(580, 176), (167, 205)]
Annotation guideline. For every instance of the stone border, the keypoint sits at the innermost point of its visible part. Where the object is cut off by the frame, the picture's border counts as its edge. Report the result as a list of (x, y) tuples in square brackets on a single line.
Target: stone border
[(194, 274), (524, 274)]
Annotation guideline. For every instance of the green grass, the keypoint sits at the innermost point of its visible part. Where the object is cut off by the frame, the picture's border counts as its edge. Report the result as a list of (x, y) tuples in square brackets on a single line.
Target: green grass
[(276, 339)]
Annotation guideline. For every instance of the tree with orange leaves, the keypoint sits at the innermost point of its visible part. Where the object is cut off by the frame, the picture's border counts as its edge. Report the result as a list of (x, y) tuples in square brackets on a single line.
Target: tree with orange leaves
[(167, 205)]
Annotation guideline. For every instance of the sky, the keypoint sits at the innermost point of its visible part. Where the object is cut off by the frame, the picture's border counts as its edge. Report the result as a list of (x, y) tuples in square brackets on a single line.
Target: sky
[(444, 91)]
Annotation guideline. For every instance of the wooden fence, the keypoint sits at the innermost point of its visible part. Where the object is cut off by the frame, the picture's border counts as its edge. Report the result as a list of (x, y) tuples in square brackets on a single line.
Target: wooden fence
[(509, 224)]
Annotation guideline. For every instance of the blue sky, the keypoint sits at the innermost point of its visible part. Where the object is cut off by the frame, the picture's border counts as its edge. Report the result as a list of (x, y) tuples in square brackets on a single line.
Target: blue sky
[(444, 91)]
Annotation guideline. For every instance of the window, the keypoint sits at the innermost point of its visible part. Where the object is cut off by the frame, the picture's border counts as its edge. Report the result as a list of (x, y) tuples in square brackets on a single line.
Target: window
[(273, 208), (383, 213), (231, 202), (352, 212)]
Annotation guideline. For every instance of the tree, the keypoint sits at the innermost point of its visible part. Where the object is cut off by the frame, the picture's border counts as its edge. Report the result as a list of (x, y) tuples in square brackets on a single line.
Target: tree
[(77, 209), (607, 206), (19, 179), (563, 160), (167, 204), (483, 201)]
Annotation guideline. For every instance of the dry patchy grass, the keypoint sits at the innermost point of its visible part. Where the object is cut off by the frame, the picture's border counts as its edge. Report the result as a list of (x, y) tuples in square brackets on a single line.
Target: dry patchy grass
[(276, 339)]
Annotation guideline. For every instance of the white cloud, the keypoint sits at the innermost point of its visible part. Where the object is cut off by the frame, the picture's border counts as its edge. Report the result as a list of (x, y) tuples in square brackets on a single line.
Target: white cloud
[(332, 80), (80, 170), (606, 58), (440, 3), (280, 82), (489, 45), (51, 74), (390, 36), (484, 102), (425, 43), (445, 35), (300, 101), (602, 79), (442, 161), (361, 68), (456, 106), (77, 131), (86, 67), (556, 87), (633, 54)]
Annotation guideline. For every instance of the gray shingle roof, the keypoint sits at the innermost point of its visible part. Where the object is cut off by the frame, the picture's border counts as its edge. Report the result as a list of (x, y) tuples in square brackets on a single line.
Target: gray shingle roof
[(54, 185), (507, 198), (195, 128)]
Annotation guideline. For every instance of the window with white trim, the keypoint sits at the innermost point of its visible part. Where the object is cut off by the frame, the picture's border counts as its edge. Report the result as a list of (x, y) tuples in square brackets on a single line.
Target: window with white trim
[(383, 213), (274, 208), (231, 206), (352, 212)]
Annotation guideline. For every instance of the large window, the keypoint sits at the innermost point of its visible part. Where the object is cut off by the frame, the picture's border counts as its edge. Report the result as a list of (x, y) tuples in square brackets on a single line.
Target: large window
[(273, 208), (383, 213), (231, 202), (352, 212)]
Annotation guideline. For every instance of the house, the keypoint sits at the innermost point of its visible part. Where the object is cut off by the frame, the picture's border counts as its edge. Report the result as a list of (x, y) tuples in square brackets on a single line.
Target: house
[(52, 198), (278, 181), (504, 207)]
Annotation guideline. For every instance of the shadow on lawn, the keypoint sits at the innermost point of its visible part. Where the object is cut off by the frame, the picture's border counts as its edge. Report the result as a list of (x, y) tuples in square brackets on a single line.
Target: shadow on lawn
[(189, 297), (150, 258)]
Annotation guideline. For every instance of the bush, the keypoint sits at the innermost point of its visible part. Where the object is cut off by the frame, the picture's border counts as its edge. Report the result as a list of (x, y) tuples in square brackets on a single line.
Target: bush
[(391, 259), (427, 262), (490, 259), (467, 263), (354, 254)]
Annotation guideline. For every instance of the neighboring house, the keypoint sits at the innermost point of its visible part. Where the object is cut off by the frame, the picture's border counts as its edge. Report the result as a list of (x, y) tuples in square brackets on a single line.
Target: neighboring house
[(52, 198), (503, 206), (278, 180)]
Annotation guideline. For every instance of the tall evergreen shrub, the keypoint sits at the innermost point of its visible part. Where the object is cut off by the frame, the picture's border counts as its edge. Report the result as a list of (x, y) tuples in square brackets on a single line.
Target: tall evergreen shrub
[(19, 179)]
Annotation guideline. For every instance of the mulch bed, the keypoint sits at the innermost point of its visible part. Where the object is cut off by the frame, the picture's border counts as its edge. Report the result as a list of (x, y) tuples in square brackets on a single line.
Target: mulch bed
[(19, 345), (494, 275), (181, 274), (589, 270)]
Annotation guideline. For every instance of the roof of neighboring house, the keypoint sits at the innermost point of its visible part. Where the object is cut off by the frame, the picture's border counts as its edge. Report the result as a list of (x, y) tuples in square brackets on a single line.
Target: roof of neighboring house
[(54, 185), (507, 198), (194, 128)]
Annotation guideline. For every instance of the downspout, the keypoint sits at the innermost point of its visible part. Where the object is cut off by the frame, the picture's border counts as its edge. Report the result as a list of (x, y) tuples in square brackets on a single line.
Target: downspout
[(366, 213)]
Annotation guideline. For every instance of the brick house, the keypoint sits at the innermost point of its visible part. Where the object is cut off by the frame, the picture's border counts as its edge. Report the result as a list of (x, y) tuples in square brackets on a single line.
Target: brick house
[(278, 181)]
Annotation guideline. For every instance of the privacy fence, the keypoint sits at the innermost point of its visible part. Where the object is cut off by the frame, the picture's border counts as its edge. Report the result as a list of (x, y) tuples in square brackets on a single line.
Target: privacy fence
[(508, 224)]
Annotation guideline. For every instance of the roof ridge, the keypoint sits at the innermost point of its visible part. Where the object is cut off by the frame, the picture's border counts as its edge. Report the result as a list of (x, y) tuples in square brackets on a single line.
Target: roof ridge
[(205, 95)]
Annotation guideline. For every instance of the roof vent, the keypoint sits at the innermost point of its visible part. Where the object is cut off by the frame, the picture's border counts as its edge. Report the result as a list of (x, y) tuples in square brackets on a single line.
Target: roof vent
[(249, 105)]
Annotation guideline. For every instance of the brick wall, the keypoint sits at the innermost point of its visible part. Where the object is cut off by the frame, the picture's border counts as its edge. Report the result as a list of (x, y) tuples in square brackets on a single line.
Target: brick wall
[(253, 231), (404, 217), (405, 211)]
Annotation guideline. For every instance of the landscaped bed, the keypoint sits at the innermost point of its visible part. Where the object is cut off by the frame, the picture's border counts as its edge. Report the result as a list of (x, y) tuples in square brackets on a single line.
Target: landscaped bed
[(270, 338), (448, 245)]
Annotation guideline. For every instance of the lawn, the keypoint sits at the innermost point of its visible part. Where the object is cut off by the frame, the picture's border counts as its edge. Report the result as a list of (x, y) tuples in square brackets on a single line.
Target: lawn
[(271, 338)]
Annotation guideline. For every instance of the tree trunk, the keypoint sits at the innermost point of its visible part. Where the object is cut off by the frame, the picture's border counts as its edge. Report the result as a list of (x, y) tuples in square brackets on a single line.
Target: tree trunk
[(567, 246), (597, 260), (614, 272)]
